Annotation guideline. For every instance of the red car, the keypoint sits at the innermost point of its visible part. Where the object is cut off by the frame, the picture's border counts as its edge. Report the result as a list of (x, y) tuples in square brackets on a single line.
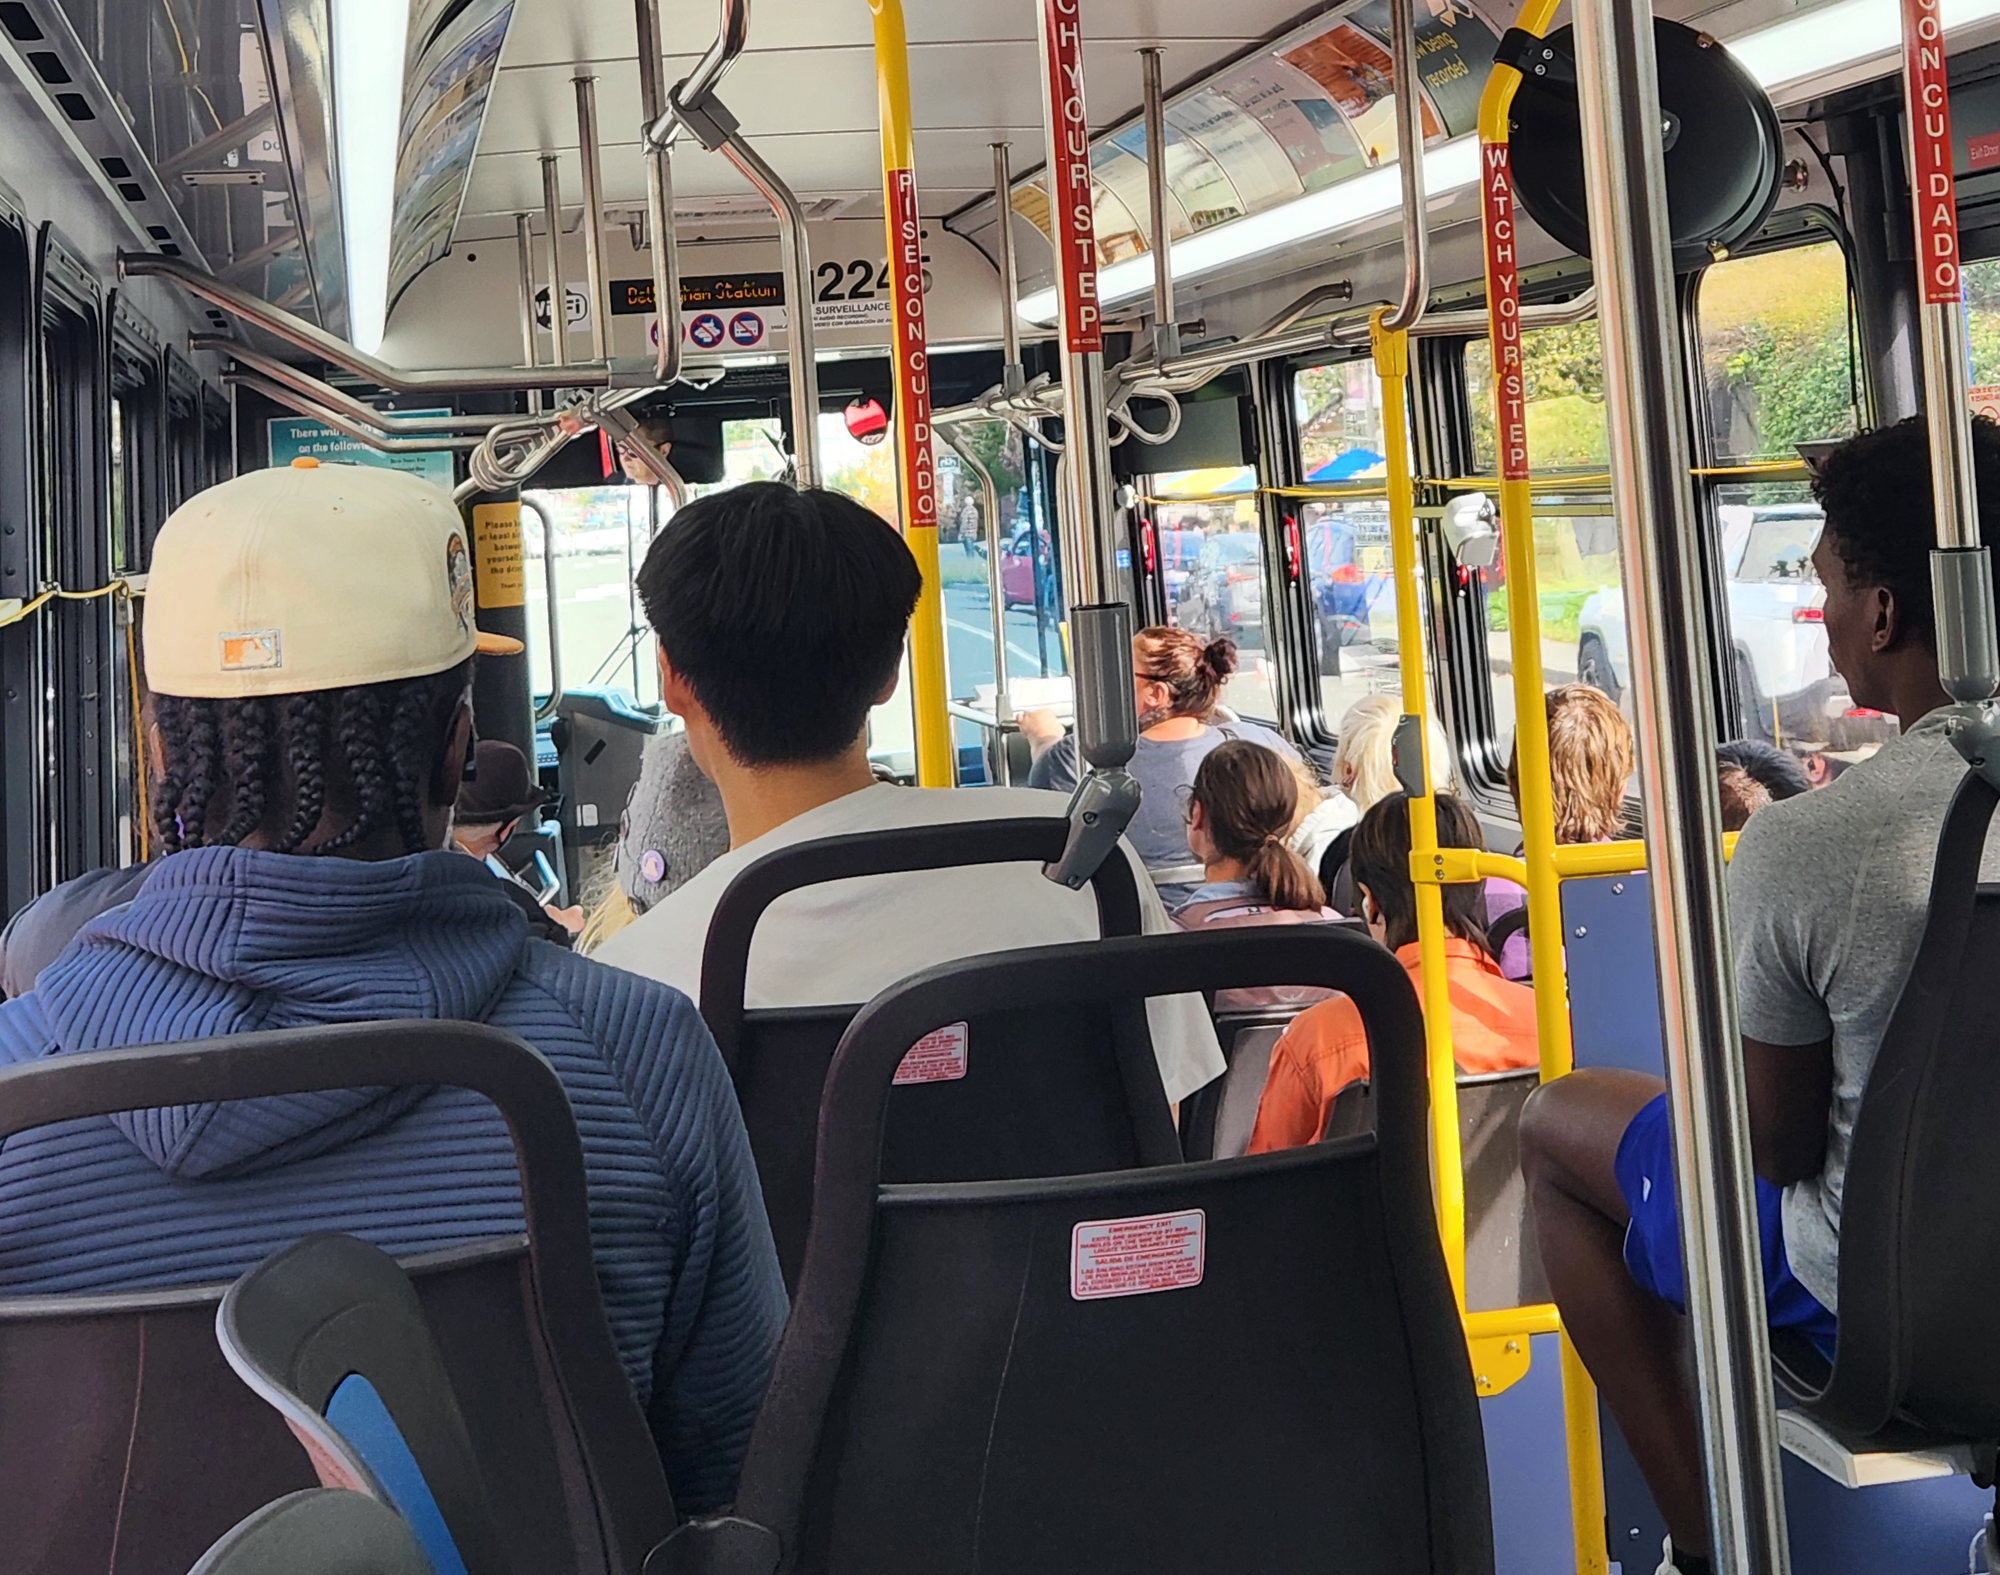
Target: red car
[(1017, 567)]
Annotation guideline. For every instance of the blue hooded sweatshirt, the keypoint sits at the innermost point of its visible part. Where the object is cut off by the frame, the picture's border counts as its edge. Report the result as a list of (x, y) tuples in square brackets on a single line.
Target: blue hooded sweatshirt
[(221, 940)]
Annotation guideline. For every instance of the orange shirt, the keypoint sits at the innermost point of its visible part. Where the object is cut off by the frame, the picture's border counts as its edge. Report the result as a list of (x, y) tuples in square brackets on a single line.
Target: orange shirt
[(1324, 1050)]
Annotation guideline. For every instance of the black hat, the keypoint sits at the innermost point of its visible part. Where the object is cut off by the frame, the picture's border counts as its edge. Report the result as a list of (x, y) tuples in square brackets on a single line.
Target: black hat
[(500, 788)]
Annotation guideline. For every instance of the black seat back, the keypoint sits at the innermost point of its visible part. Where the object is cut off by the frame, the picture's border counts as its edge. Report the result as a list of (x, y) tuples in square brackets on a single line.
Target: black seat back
[(1919, 1260), (170, 1449), (955, 1113), (1235, 1364)]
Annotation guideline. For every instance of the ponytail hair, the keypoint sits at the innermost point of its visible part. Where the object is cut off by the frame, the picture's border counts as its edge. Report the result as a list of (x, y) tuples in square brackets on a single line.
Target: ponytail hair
[(1193, 670), (1249, 798)]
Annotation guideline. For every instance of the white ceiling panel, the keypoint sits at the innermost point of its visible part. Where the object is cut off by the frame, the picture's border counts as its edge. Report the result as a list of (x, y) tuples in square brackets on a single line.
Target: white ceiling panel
[(804, 90)]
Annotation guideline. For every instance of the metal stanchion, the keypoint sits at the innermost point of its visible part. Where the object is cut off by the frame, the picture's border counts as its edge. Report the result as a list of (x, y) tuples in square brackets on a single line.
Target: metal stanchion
[(1667, 614)]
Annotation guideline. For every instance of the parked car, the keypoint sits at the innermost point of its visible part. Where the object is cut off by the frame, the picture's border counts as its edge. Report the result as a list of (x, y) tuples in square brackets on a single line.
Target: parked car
[(1017, 565), (1223, 593), (1786, 688)]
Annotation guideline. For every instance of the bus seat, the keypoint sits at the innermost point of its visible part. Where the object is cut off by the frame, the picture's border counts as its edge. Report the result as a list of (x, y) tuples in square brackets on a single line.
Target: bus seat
[(574, 1477), (319, 1531), (1242, 1087), (600, 738), (1614, 993), (158, 1450), (981, 1377), (1502, 1266), (1916, 1366), (329, 1331), (1090, 1072)]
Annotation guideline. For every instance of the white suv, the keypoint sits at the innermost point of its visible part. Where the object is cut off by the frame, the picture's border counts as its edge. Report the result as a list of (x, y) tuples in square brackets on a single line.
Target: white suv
[(1787, 691)]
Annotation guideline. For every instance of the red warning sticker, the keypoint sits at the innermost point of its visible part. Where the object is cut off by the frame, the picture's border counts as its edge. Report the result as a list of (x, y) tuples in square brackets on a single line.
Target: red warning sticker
[(938, 1057), (1154, 1252)]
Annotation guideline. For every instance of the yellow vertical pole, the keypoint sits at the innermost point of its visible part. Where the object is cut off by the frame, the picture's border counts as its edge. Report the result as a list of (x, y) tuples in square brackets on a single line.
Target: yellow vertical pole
[(1392, 368), (916, 470), (1531, 737)]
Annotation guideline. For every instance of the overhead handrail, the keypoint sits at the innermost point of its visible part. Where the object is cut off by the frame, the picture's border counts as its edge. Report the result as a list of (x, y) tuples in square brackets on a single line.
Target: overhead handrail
[(552, 245), (1410, 164), (731, 35), (691, 105), (1012, 376), (338, 352), (524, 250), (546, 711), (660, 196), (1166, 327), (591, 156), (388, 422), (343, 423)]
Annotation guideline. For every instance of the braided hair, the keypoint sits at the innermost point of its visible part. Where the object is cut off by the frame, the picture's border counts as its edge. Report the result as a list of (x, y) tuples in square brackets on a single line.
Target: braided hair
[(233, 768)]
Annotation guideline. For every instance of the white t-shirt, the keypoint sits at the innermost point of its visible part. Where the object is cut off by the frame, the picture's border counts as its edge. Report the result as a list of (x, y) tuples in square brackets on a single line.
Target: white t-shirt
[(840, 943)]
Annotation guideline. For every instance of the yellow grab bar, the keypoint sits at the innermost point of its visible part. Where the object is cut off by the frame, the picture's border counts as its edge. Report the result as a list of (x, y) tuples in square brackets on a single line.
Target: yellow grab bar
[(1392, 369), (916, 469), (1531, 734)]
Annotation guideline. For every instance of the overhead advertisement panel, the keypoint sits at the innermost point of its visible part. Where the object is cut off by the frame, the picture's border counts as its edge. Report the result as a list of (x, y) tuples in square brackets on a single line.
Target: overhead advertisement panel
[(1314, 109), (444, 106)]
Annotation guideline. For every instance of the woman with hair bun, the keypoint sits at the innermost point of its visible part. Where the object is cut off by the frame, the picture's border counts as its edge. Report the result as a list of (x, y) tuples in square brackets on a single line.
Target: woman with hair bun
[(1177, 680)]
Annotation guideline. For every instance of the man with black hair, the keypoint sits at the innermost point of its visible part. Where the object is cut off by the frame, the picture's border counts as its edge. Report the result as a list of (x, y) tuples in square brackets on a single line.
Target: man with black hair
[(781, 617), (1828, 896), (309, 651)]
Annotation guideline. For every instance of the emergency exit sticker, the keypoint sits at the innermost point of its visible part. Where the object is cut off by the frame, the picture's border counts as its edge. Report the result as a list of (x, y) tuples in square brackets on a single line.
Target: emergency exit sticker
[(1135, 1257), (938, 1057)]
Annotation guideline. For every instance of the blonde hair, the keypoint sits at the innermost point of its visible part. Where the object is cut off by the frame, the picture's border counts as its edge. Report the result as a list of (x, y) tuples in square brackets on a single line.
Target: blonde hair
[(1366, 746), (612, 912), (1590, 760)]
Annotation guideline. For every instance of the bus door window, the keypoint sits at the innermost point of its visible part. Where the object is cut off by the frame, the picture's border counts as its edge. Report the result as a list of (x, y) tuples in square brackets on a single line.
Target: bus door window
[(1212, 566), (1579, 571), (1777, 371), (1344, 539)]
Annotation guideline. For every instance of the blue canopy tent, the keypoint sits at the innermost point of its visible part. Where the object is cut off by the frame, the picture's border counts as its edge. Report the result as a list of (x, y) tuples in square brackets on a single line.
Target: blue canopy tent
[(1356, 462)]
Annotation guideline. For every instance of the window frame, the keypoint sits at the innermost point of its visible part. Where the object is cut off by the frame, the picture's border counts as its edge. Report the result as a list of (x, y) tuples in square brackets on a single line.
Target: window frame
[(73, 441), (1806, 225)]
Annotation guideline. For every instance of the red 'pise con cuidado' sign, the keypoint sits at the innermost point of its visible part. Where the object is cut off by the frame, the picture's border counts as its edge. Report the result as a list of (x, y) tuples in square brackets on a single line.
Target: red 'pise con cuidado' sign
[(1931, 188)]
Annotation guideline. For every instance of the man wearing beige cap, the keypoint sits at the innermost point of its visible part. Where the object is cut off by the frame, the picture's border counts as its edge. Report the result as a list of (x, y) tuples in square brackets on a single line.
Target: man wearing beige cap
[(309, 651)]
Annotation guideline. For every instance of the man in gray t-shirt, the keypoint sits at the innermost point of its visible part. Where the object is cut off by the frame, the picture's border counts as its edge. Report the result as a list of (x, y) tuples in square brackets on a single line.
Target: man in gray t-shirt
[(1828, 897)]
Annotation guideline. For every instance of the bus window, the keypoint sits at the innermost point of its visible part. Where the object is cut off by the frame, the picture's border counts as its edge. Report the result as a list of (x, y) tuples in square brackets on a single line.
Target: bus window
[(867, 474), (1776, 369), (1580, 587), (1345, 537), (599, 537), (1982, 322), (1775, 363), (1205, 525)]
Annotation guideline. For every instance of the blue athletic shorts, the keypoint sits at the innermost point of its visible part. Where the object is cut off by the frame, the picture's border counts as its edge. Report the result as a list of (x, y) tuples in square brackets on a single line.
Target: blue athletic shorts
[(1645, 1170)]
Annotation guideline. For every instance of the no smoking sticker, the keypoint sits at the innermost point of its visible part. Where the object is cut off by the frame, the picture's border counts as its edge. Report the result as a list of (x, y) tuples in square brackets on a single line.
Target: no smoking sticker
[(1135, 1257), (938, 1057)]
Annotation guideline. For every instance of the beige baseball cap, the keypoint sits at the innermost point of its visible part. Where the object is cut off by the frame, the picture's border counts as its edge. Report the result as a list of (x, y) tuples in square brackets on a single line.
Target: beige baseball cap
[(310, 577)]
